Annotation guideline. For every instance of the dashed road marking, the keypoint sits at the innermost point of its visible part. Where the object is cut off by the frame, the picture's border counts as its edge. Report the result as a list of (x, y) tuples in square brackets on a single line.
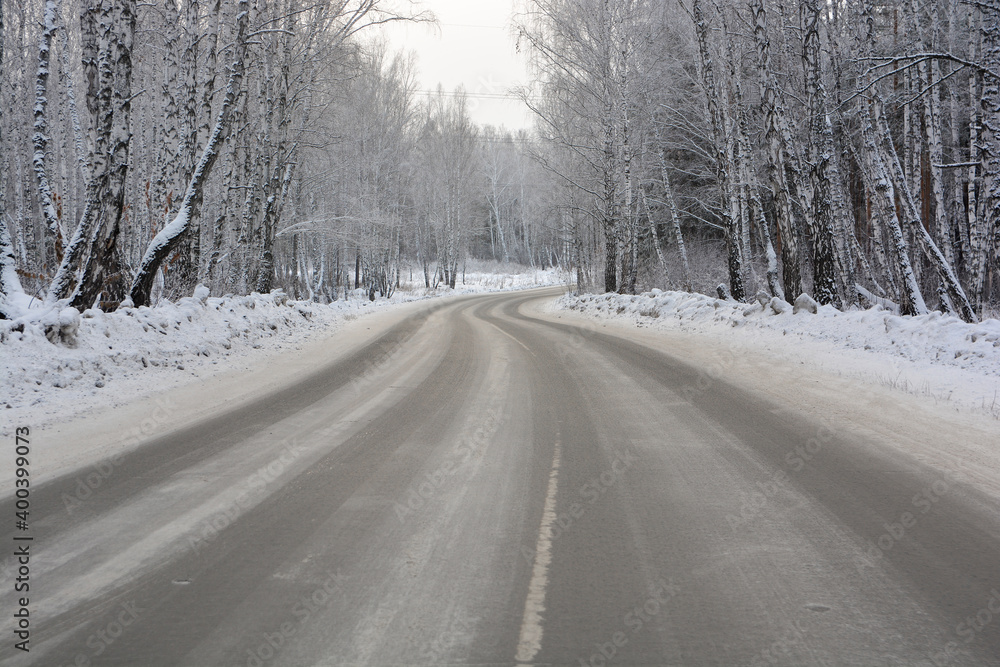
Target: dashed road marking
[(530, 640)]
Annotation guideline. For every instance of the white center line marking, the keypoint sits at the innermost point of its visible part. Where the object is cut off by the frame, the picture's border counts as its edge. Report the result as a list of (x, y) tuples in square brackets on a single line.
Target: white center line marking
[(530, 640), (511, 337)]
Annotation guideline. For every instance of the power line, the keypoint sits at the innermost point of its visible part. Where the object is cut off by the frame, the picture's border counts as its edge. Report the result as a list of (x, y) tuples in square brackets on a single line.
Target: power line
[(485, 96), (473, 25)]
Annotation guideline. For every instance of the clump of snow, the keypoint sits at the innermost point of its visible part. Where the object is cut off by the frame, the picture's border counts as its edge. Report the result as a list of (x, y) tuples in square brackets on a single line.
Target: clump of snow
[(935, 355), (779, 306), (60, 325), (806, 303), (201, 294)]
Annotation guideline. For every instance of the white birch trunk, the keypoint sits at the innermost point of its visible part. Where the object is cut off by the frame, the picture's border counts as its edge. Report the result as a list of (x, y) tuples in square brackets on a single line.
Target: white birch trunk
[(10, 283), (671, 203), (107, 70), (164, 242), (982, 234), (935, 155), (912, 213), (756, 209), (79, 143), (720, 142), (821, 216), (40, 137), (884, 199), (219, 228), (775, 120), (656, 236)]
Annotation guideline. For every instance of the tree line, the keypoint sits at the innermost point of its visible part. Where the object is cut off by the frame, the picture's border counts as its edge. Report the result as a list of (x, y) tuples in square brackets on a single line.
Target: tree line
[(245, 145), (848, 150), (845, 149)]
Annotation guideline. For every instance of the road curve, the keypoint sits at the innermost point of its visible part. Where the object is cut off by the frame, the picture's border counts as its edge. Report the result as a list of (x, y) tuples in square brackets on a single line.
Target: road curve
[(483, 485)]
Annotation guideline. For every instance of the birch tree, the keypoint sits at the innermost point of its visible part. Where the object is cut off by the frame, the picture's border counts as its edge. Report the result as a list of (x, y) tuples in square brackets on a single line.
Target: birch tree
[(40, 138), (820, 154), (167, 239), (10, 284), (846, 150), (983, 231), (721, 140), (776, 124)]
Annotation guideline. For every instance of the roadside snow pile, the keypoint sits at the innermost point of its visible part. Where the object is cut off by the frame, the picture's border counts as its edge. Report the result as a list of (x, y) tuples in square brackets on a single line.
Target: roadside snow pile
[(81, 353), (57, 362), (927, 343)]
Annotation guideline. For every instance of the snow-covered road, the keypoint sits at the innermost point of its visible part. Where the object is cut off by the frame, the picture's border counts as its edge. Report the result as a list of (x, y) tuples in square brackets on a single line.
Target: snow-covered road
[(488, 480), (64, 372)]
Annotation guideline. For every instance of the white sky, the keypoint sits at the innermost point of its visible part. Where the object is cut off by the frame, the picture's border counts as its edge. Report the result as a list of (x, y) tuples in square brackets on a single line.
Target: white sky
[(472, 45)]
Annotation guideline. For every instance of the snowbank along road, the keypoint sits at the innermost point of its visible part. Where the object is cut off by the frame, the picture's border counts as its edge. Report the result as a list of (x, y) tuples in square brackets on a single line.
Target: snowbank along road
[(484, 482)]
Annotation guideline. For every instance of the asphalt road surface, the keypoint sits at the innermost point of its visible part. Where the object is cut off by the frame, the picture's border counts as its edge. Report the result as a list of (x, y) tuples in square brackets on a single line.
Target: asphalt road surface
[(480, 484)]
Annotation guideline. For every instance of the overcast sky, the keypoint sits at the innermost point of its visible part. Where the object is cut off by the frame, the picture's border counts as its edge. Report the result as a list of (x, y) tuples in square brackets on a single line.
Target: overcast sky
[(471, 45)]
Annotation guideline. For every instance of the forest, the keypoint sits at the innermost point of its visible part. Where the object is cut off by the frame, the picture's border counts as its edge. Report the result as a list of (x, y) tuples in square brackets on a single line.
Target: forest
[(846, 150)]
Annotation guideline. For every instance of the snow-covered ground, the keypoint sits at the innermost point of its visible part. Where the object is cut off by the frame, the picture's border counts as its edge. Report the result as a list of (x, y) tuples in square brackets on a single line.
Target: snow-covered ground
[(933, 355), (56, 364)]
